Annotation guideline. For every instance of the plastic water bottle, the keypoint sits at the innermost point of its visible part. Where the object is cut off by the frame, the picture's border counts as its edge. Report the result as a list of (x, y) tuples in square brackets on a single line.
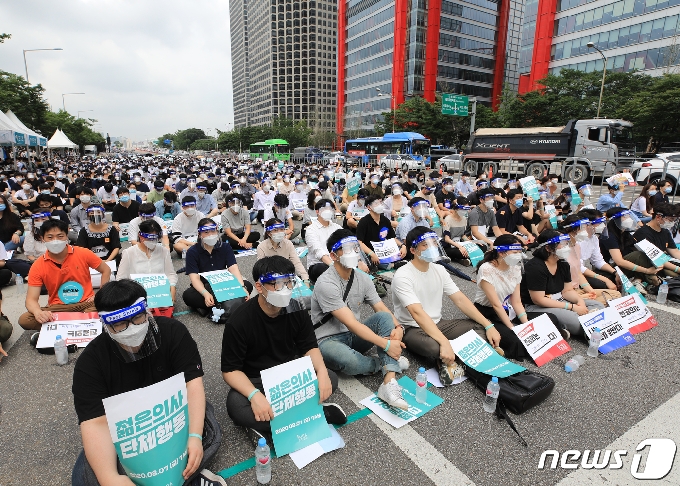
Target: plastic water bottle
[(184, 254), (574, 363), (663, 293), (20, 283), (263, 462), (60, 351), (595, 339), (492, 391), (421, 386)]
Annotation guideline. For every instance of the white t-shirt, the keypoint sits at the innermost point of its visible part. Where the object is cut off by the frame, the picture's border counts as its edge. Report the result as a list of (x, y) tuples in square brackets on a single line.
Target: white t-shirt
[(133, 229), (504, 282), (411, 286), (639, 205), (188, 227)]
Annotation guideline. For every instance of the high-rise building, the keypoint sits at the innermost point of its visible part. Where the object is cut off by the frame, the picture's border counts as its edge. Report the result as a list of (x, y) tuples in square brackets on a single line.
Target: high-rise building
[(284, 61), (390, 50), (638, 35)]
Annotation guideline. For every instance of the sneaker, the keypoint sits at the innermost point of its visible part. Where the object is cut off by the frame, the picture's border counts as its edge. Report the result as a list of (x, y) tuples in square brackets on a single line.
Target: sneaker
[(641, 288), (34, 338), (202, 312), (295, 241), (466, 262), (390, 393), (334, 413), (255, 436), (206, 478), (182, 270), (500, 351), (403, 363), (380, 288), (448, 373), (565, 334)]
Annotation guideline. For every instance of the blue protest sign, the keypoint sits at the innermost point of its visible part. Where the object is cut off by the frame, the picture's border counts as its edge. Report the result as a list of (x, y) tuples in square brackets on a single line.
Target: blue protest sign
[(479, 355)]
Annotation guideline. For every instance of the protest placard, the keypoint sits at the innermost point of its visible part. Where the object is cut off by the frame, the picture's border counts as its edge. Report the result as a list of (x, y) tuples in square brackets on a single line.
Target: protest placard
[(530, 187), (653, 252), (224, 285), (96, 277), (150, 429), (397, 417), (474, 252), (353, 186), (157, 288), (77, 328), (124, 231), (479, 355), (387, 251), (628, 287), (614, 332), (435, 218), (301, 251), (575, 196), (292, 389), (552, 214), (634, 313), (541, 339)]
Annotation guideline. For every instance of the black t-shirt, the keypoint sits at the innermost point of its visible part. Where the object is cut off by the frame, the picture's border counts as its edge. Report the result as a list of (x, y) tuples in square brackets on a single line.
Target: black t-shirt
[(537, 277), (612, 242), (448, 200), (200, 261), (368, 230), (660, 198), (253, 341), (101, 243), (508, 220), (121, 214), (58, 213), (409, 187), (663, 239), (100, 371)]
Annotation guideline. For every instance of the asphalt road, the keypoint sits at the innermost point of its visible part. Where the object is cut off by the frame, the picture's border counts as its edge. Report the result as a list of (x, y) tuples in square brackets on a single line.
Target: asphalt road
[(456, 443)]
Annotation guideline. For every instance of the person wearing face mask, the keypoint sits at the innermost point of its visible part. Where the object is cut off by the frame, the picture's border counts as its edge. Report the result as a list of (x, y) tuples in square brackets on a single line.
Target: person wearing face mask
[(147, 211), (64, 270), (356, 210), (24, 199), (463, 186), (208, 255), (497, 297), (156, 194), (482, 217), (286, 186), (298, 200), (236, 225), (601, 275), (374, 187), (168, 208), (610, 199), (150, 256), (134, 342), (658, 233), (395, 202), (510, 218), (107, 195), (376, 227), (550, 182), (418, 216), (665, 188), (280, 211), (222, 190), (135, 195), (547, 284), (11, 227), (185, 225), (342, 335), (34, 246), (269, 330), (100, 237), (275, 243), (453, 233), (642, 205), (127, 208), (318, 232), (205, 203), (418, 290), (263, 199), (411, 185), (446, 198)]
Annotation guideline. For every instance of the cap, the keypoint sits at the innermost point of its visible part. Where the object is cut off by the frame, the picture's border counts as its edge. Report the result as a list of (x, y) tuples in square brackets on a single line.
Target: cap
[(262, 442), (494, 379), (421, 370)]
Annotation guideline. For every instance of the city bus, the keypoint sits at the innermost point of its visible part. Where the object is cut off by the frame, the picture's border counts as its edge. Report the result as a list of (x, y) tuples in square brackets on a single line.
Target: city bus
[(274, 149), (371, 150)]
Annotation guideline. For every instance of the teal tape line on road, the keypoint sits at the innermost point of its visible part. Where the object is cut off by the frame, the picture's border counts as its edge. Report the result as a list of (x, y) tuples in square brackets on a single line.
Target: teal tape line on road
[(250, 463), (183, 313)]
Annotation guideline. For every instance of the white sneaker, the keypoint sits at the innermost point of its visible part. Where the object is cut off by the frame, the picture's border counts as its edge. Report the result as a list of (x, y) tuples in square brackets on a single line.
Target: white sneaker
[(390, 393), (403, 363)]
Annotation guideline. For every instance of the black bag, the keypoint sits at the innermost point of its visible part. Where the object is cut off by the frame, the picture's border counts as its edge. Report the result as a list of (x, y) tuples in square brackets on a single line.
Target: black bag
[(329, 316), (674, 289)]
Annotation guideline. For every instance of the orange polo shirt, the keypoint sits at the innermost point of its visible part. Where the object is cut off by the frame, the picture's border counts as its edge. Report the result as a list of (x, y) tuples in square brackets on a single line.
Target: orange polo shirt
[(68, 283)]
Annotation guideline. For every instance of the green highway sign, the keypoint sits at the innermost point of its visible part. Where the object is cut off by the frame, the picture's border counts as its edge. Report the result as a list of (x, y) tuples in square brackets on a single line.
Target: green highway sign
[(453, 104)]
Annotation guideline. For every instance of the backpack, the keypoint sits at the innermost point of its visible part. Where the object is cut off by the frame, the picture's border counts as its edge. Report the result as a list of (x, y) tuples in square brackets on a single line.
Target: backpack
[(674, 289)]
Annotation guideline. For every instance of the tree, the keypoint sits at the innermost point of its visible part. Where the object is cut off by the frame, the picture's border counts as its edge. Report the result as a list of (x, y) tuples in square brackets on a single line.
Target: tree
[(204, 144), (163, 138), (4, 37), (25, 101), (184, 138)]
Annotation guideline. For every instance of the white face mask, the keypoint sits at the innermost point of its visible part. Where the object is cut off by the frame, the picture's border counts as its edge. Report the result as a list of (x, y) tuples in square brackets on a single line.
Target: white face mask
[(563, 253), (582, 236), (628, 223), (327, 214), (150, 244), (397, 192), (55, 246), (489, 203), (278, 237), (279, 298), (317, 199), (379, 209), (26, 187), (190, 211), (513, 259), (210, 240), (235, 208), (85, 199), (667, 226), (133, 336), (430, 255), (599, 228), (449, 187), (350, 260)]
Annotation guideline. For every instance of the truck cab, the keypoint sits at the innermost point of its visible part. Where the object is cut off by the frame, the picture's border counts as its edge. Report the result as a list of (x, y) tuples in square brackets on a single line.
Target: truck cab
[(604, 141)]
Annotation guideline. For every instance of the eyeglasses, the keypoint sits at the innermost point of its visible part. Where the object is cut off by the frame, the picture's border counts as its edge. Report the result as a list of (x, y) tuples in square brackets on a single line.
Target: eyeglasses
[(281, 283), (123, 325)]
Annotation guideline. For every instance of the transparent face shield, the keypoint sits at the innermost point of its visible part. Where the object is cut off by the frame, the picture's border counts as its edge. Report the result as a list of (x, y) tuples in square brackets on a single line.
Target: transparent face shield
[(327, 212), (561, 244), (283, 291), (482, 185), (463, 210), (597, 226), (378, 207), (586, 190), (96, 214), (428, 249), (497, 183), (579, 230), (133, 329), (348, 252), (626, 220), (512, 184), (513, 255), (146, 217), (209, 235), (421, 209), (276, 232)]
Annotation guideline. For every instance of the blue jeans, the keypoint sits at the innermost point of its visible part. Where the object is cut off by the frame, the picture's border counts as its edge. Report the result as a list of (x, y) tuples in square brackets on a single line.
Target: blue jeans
[(643, 219), (345, 352), (10, 245)]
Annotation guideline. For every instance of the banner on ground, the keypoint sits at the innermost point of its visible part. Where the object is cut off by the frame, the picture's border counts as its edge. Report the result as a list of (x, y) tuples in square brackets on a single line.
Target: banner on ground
[(628, 286), (157, 288), (224, 285), (292, 389), (479, 355), (77, 328), (387, 251), (397, 417), (474, 252), (541, 339), (653, 252), (552, 214), (530, 187), (150, 429), (634, 313), (615, 333)]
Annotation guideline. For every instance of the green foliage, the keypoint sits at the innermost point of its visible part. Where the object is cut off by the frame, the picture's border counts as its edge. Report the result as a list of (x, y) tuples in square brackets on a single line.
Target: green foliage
[(163, 138), (4, 37), (184, 138), (25, 101), (204, 144), (78, 130)]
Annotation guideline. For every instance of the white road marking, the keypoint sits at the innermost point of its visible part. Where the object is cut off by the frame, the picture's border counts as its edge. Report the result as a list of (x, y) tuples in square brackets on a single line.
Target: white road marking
[(663, 308), (661, 423), (421, 452)]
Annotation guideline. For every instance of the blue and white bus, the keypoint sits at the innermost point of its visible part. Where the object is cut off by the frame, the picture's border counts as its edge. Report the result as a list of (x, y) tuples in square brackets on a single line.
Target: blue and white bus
[(372, 149)]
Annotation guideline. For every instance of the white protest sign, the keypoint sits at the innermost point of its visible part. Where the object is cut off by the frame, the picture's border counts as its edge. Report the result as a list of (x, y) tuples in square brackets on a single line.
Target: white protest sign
[(655, 254), (530, 187), (298, 204), (96, 277), (634, 313), (74, 327), (312, 452), (541, 339), (624, 178), (387, 251), (615, 333)]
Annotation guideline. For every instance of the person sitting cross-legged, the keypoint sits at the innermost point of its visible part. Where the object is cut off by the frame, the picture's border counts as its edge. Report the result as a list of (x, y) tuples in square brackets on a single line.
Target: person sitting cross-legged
[(343, 337)]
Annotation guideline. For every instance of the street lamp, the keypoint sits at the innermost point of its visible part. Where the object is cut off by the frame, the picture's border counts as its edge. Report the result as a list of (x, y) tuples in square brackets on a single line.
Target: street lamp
[(63, 103), (31, 50), (82, 111), (394, 109), (591, 45)]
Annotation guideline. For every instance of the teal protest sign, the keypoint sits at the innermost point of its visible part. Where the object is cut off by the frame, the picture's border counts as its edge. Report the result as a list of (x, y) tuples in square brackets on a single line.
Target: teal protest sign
[(435, 218), (150, 429), (353, 186), (224, 285), (628, 287), (124, 231), (300, 287), (397, 417), (530, 187), (575, 196), (157, 288), (552, 214), (474, 252), (478, 354), (653, 252), (293, 392)]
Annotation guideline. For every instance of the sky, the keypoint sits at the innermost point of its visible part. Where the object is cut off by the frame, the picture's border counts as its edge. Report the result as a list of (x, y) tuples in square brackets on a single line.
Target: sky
[(147, 67)]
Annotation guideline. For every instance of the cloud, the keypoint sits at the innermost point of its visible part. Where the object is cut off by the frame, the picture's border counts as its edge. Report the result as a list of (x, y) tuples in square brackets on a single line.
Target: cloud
[(146, 67)]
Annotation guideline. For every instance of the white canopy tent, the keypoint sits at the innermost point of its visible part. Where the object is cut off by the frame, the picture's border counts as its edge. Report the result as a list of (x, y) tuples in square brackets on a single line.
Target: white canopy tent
[(35, 139), (12, 135), (60, 140)]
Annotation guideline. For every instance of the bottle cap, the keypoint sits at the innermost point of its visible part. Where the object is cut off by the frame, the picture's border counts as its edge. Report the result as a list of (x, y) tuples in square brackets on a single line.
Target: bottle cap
[(262, 442), (597, 329), (421, 370), (568, 368), (58, 337), (494, 379)]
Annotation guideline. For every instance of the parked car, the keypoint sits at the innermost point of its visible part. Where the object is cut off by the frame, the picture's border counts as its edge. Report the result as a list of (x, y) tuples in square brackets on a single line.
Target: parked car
[(451, 162), (404, 161), (653, 169)]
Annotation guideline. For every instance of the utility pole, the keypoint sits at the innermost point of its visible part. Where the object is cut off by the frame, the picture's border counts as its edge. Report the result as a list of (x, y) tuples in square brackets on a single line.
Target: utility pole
[(473, 114)]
